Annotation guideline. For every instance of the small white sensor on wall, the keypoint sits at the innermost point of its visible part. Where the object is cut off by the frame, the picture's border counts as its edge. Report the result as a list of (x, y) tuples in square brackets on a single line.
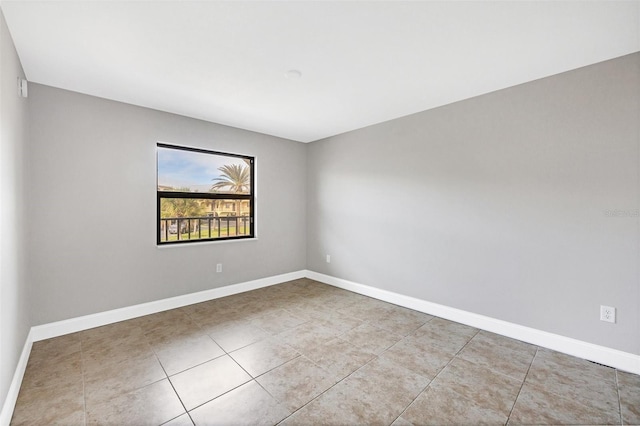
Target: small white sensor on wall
[(23, 90)]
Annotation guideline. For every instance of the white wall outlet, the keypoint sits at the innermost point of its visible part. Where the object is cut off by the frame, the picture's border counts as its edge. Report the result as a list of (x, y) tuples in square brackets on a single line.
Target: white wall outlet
[(219, 267), (328, 258), (607, 313)]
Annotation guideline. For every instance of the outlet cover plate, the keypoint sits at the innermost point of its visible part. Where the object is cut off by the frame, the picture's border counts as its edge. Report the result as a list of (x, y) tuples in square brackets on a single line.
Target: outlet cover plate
[(608, 314)]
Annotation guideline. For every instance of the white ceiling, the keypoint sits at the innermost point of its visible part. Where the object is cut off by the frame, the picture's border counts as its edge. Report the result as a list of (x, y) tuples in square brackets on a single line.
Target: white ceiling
[(361, 62)]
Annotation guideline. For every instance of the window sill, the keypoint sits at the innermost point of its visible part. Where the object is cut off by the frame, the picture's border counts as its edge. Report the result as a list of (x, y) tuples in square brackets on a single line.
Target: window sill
[(198, 243)]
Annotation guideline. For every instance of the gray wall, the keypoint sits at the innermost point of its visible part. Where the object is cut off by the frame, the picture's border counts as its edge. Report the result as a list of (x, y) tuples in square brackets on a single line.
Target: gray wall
[(495, 205), (14, 303), (92, 207)]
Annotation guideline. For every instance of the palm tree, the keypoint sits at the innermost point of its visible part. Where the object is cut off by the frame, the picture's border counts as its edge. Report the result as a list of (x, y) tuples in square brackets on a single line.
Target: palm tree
[(236, 179)]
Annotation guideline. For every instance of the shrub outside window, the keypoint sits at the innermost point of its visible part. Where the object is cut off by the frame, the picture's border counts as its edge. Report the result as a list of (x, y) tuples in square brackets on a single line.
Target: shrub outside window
[(203, 195)]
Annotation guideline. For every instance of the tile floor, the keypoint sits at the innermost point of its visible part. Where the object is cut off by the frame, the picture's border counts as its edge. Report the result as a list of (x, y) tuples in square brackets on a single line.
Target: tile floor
[(304, 353)]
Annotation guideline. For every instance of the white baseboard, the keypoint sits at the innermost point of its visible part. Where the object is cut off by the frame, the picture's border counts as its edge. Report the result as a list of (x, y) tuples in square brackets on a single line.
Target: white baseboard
[(59, 328), (614, 358), (14, 387)]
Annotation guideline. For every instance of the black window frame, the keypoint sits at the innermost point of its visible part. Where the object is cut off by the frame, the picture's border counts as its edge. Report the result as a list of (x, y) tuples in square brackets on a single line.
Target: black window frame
[(207, 195)]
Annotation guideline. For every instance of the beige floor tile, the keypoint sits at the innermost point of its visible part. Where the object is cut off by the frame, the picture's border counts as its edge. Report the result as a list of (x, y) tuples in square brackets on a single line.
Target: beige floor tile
[(58, 370), (165, 332), (205, 312), (150, 405), (337, 321), (105, 335), (108, 350), (247, 405), (486, 388), (629, 388), (366, 398), (501, 354), (220, 322), (50, 349), (536, 405), (184, 353), (308, 310), (438, 405), (373, 378), (114, 379), (297, 382), (370, 338), (62, 405), (340, 301), (252, 310), (367, 309), (580, 380), (448, 336), (513, 345), (401, 320), (571, 366), (305, 337), (277, 321), (340, 357), (162, 319), (337, 407), (419, 355), (260, 357), (208, 381), (236, 335)]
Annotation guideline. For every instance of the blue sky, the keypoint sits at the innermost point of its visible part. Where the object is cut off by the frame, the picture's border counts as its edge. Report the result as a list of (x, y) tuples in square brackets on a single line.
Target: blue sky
[(187, 169)]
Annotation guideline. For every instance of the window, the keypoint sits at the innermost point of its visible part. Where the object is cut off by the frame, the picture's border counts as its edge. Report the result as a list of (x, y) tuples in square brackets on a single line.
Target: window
[(204, 195)]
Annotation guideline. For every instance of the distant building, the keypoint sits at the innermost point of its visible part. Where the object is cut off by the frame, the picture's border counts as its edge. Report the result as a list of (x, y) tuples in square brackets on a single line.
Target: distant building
[(227, 207)]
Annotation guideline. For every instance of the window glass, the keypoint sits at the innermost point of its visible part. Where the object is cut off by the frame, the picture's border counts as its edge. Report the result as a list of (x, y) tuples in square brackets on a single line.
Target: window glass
[(203, 195)]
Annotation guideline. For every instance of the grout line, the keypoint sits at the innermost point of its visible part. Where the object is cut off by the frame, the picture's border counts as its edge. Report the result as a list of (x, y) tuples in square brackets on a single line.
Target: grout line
[(84, 392), (619, 402), (238, 364), (522, 385), (179, 399), (174, 389)]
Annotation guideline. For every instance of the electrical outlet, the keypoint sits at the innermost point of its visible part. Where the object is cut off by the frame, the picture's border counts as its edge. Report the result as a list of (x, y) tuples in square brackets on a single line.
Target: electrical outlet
[(328, 258), (23, 91), (219, 267), (607, 313)]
